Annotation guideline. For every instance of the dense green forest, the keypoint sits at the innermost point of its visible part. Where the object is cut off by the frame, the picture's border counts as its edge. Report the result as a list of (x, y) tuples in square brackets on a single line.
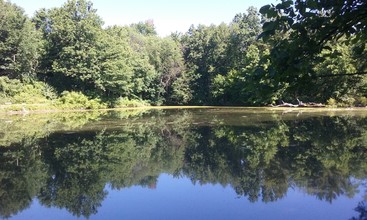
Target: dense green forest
[(64, 58)]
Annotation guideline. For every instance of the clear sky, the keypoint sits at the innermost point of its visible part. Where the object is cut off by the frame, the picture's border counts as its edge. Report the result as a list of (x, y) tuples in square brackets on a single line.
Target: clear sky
[(168, 15)]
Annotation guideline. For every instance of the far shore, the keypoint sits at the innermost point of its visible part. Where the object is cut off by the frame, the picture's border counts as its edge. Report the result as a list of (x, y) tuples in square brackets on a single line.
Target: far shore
[(24, 110)]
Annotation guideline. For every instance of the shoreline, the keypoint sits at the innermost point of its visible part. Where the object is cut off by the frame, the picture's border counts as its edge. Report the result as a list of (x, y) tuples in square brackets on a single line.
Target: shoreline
[(3, 108)]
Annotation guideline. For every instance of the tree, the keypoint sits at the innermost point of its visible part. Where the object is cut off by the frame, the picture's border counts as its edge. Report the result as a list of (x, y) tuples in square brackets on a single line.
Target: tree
[(145, 28), (146, 76), (301, 31), (246, 80), (339, 81), (118, 64), (143, 66), (72, 44), (244, 30), (204, 53), (166, 56), (19, 42)]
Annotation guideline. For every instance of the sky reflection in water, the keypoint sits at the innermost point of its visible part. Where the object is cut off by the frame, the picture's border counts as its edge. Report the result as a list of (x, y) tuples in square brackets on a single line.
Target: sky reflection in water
[(179, 198)]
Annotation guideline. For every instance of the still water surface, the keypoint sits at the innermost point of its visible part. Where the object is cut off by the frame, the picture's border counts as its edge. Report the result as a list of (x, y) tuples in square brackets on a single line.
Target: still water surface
[(219, 163)]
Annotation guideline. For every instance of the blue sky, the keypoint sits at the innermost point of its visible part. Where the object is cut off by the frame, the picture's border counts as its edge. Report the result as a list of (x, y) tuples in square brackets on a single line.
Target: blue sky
[(168, 15)]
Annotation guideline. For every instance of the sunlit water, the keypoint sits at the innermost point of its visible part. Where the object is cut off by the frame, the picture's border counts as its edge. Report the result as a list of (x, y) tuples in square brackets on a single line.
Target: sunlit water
[(219, 163)]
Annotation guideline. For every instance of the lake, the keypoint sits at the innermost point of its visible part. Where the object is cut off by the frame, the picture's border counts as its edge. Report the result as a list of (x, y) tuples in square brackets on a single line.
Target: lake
[(204, 163)]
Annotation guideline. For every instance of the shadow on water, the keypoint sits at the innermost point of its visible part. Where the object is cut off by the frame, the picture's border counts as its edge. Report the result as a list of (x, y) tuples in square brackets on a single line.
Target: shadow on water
[(66, 160)]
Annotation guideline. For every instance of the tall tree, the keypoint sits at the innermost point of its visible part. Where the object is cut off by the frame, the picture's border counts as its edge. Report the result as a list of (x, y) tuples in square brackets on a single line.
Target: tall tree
[(204, 53), (72, 43), (242, 84), (19, 42), (245, 27), (166, 56), (126, 68)]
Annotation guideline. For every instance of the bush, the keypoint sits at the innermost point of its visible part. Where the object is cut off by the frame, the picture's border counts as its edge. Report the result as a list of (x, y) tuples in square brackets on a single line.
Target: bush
[(361, 102), (77, 100), (347, 101), (126, 103), (16, 92), (331, 102)]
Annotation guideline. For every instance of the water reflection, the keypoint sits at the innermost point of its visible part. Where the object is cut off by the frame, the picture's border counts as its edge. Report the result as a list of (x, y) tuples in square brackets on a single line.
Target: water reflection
[(362, 211), (66, 161)]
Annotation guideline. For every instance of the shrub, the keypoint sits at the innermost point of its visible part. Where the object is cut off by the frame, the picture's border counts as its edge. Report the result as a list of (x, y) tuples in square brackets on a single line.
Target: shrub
[(77, 100), (346, 101), (16, 92), (125, 102), (331, 102), (361, 101)]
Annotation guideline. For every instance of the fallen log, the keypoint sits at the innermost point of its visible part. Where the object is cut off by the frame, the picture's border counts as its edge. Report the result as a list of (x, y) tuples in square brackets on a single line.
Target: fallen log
[(285, 104), (300, 104)]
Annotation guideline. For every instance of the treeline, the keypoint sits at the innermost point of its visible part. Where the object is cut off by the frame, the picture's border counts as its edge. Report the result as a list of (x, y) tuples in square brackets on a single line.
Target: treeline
[(64, 57)]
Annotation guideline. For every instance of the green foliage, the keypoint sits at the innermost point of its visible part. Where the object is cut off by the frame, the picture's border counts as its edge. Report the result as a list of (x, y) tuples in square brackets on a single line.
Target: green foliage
[(145, 28), (77, 100), (228, 66), (15, 91), (317, 48), (204, 53), (118, 69), (347, 101), (125, 102), (180, 92), (165, 55), (115, 62), (72, 45), (317, 21), (361, 101), (140, 66), (331, 102), (19, 42), (310, 53)]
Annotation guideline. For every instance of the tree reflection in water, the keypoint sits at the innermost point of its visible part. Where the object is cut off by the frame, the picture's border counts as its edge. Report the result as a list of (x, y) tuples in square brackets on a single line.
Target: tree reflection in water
[(362, 210), (69, 165)]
